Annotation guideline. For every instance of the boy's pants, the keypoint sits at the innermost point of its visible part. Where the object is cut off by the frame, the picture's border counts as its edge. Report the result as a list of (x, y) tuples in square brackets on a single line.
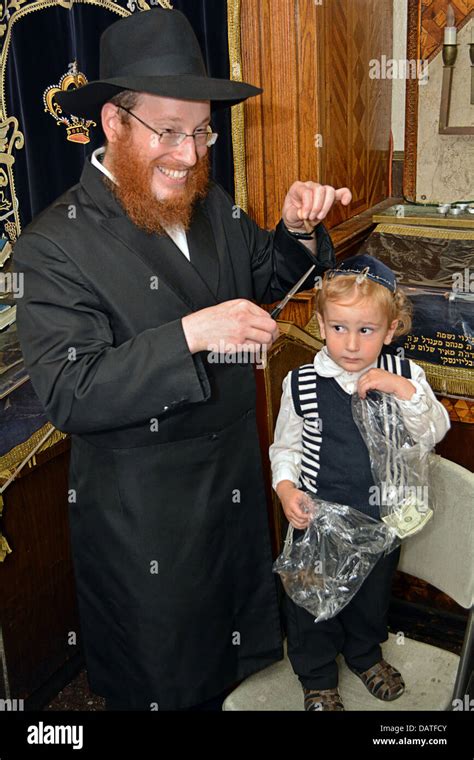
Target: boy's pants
[(356, 631)]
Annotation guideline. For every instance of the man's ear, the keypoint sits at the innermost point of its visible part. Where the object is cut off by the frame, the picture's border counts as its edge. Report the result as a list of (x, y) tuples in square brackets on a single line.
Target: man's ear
[(391, 330), (111, 123), (321, 325)]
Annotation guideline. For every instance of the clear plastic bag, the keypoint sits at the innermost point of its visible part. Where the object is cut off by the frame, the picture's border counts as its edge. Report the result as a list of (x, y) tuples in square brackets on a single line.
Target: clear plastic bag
[(399, 465), (324, 569)]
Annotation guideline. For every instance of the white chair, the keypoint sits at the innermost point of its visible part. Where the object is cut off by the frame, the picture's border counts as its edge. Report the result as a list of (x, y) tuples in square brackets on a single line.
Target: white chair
[(441, 554)]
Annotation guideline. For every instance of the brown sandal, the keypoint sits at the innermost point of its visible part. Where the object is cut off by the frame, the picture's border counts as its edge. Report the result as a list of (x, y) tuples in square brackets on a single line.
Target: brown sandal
[(382, 680), (316, 700)]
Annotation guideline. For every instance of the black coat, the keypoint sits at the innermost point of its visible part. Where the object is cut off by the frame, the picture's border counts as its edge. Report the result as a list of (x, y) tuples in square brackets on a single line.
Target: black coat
[(167, 513)]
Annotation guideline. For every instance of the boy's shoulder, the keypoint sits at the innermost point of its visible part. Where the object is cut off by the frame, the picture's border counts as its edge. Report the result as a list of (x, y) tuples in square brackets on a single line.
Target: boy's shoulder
[(304, 370), (393, 362)]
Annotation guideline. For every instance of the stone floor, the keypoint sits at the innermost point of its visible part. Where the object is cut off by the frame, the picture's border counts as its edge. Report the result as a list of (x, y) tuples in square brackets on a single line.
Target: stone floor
[(77, 696)]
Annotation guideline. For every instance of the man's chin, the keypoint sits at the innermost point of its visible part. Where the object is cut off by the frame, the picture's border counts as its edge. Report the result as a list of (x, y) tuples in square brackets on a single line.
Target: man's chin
[(163, 190), (162, 195), (148, 202)]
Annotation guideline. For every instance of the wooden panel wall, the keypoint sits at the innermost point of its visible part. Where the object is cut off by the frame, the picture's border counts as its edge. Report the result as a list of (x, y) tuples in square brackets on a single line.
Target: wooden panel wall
[(312, 61)]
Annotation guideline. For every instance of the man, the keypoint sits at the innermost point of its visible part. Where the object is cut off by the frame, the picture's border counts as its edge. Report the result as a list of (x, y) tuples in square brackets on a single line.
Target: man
[(129, 277)]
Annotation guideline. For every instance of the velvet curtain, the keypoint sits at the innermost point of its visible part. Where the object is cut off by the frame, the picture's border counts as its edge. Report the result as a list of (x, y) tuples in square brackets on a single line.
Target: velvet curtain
[(43, 43)]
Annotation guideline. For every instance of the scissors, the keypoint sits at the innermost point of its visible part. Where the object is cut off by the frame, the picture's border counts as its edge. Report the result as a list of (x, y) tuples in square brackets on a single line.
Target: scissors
[(276, 311)]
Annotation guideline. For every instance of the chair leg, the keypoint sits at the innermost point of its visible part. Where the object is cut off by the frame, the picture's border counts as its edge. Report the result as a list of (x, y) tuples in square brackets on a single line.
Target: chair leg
[(465, 662)]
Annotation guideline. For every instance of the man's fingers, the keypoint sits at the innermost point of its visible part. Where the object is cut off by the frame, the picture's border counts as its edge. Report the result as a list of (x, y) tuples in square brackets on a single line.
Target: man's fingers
[(306, 203), (318, 201), (262, 337), (253, 308), (262, 321), (322, 209), (344, 195), (259, 318)]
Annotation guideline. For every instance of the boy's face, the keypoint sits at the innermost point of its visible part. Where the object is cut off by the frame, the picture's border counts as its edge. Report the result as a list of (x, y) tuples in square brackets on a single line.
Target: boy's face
[(355, 333)]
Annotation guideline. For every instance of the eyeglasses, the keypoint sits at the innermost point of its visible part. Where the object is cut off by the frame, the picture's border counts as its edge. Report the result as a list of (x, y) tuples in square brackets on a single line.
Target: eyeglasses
[(202, 139)]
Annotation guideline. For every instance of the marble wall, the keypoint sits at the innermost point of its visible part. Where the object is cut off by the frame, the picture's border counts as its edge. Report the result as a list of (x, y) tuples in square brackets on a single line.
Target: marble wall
[(445, 169), (399, 85)]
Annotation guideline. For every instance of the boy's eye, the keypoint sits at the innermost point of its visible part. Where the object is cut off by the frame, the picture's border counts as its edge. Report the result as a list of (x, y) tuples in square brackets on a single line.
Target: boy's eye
[(337, 328), (366, 330)]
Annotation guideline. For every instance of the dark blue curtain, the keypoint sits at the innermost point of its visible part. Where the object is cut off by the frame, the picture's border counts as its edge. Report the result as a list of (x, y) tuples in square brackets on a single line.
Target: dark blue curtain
[(48, 164)]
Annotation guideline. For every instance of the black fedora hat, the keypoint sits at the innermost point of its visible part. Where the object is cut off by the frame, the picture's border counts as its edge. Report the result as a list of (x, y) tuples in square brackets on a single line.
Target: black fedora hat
[(156, 52)]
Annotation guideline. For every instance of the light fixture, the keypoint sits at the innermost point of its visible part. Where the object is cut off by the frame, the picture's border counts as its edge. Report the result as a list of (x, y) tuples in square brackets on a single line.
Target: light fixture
[(450, 53)]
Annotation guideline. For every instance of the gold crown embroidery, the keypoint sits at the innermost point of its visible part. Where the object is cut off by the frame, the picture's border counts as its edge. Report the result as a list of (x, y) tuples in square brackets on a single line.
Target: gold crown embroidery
[(77, 129)]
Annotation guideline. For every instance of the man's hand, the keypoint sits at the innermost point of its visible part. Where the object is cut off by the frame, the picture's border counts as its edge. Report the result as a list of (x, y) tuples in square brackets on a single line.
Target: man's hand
[(297, 505), (235, 324), (311, 201), (381, 380)]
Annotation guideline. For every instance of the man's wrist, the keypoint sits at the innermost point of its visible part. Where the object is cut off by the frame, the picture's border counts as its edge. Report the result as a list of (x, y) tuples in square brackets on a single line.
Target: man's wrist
[(300, 233), (191, 339)]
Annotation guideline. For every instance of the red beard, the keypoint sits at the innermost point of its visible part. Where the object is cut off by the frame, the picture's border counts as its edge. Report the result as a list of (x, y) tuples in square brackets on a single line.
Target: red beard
[(134, 193)]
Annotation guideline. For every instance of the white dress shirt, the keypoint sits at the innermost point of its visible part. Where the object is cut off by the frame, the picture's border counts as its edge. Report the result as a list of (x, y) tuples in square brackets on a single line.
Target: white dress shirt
[(424, 416), (177, 233)]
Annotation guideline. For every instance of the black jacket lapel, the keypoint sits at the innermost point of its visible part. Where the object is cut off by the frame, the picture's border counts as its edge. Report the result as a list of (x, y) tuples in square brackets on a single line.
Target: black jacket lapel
[(159, 253), (202, 249)]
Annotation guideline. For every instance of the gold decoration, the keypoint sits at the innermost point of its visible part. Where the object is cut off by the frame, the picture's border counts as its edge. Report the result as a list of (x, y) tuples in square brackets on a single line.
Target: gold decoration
[(450, 380), (10, 229), (428, 232), (77, 129), (5, 204), (25, 452), (10, 137), (237, 112), (143, 5), (4, 548)]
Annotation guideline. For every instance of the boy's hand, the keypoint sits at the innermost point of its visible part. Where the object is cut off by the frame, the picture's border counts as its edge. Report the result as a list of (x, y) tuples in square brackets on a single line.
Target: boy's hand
[(296, 504), (381, 380)]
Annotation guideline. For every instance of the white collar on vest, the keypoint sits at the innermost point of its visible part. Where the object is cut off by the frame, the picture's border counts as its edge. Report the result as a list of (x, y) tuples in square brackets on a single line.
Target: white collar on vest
[(327, 367)]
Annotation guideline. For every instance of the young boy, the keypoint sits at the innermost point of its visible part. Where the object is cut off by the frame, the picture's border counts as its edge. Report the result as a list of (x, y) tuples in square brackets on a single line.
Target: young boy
[(318, 450)]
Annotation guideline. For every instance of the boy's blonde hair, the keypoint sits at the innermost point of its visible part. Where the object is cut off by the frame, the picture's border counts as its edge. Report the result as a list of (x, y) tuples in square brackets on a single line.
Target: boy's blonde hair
[(344, 286)]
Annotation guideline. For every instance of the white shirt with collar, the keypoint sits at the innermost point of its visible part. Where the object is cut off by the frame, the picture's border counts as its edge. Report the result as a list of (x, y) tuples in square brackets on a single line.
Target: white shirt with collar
[(177, 233), (425, 417)]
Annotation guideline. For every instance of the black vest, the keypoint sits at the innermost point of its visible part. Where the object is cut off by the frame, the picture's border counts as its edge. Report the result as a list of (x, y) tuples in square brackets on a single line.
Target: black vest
[(335, 464)]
